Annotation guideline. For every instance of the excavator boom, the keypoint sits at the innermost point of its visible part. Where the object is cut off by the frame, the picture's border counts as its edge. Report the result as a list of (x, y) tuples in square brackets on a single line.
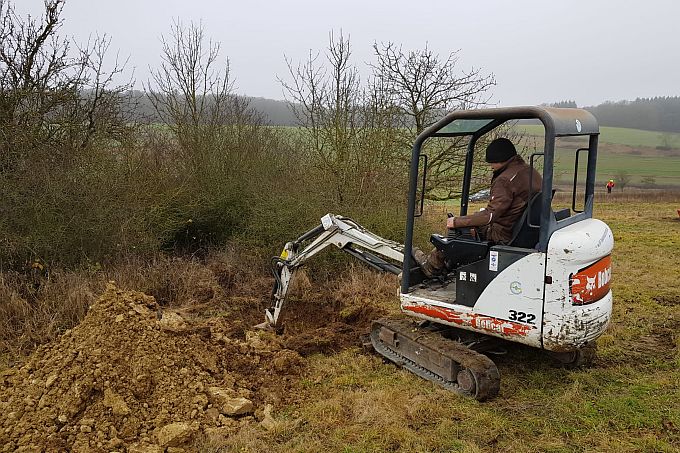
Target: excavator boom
[(342, 232)]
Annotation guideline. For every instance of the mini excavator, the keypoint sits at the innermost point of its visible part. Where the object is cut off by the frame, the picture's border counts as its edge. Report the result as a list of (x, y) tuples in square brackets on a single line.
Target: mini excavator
[(548, 288)]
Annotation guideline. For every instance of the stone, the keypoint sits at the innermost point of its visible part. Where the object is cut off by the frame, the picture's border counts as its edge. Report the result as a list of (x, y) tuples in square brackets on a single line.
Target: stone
[(268, 421), (237, 406), (218, 395), (256, 341), (141, 309), (116, 403), (50, 380), (174, 434), (145, 448), (172, 321)]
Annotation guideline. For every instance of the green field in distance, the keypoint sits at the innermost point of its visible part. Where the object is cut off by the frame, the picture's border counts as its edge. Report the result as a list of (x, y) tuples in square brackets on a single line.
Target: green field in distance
[(633, 151), (622, 136)]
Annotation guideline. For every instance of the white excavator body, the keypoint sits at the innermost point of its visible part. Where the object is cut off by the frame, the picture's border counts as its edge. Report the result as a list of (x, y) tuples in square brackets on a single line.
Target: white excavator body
[(558, 300)]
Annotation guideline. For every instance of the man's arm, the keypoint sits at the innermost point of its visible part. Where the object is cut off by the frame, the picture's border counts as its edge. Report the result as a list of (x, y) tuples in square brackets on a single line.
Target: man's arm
[(501, 200)]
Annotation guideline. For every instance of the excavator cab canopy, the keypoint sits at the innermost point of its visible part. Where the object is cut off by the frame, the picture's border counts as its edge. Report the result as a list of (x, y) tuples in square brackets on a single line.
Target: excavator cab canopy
[(557, 122), (563, 121)]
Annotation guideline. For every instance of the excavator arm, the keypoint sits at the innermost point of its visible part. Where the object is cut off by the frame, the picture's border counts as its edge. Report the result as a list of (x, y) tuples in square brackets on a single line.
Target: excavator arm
[(342, 232)]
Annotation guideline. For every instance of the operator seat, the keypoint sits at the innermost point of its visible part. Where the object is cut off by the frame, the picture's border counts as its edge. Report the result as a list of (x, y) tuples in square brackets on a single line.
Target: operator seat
[(525, 235)]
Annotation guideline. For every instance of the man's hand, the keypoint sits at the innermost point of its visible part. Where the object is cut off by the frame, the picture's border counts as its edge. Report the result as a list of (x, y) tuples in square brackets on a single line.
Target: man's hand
[(450, 222)]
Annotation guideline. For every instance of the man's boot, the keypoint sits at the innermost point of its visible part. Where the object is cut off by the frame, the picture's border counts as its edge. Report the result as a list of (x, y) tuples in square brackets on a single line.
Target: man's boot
[(431, 264)]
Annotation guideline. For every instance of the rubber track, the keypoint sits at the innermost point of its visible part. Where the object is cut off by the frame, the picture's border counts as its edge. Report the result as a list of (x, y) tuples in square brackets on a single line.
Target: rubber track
[(484, 370)]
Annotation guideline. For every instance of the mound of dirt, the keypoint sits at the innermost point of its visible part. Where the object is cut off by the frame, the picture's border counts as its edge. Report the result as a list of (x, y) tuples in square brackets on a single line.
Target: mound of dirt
[(134, 377)]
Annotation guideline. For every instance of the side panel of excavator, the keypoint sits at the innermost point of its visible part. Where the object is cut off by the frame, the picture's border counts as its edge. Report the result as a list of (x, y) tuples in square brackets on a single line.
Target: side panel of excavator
[(509, 306), (559, 300)]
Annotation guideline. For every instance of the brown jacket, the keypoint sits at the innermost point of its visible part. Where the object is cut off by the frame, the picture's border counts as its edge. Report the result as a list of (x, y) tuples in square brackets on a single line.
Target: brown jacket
[(509, 197)]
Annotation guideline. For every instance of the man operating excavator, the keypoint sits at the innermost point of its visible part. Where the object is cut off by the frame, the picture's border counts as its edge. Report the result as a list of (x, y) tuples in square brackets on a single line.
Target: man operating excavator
[(510, 191)]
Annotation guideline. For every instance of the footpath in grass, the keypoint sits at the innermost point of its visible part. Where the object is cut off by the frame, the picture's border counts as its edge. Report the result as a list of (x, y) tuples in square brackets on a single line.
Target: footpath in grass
[(628, 402)]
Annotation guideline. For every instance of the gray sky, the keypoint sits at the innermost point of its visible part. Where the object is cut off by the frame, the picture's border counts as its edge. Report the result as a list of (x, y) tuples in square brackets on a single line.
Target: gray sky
[(540, 51)]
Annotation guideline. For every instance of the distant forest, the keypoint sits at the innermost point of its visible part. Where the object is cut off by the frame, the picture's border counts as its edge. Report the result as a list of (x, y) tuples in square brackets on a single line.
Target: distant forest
[(276, 113), (653, 114)]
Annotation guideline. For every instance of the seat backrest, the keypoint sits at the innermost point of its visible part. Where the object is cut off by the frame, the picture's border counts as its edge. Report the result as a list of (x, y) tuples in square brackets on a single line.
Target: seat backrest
[(524, 235)]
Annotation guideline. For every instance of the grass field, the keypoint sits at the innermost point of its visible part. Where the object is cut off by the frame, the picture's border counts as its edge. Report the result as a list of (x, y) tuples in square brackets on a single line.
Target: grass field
[(664, 170), (622, 150), (346, 399), (629, 401), (623, 136)]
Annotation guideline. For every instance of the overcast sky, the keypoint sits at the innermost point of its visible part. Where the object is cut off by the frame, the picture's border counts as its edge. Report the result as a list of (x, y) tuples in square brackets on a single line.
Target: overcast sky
[(539, 51)]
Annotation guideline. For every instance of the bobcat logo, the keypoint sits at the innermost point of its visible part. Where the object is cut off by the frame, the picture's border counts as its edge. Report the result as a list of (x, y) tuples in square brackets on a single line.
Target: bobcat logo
[(590, 283)]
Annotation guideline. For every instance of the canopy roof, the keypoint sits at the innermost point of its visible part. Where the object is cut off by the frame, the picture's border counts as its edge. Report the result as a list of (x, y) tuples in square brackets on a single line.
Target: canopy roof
[(557, 121)]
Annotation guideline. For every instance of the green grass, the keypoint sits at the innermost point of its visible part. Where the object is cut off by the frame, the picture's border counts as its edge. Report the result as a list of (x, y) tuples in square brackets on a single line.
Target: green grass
[(664, 169), (632, 151), (621, 136), (620, 150)]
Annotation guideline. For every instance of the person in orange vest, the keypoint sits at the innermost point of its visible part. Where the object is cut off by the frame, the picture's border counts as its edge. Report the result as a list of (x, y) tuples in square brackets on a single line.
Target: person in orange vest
[(610, 186)]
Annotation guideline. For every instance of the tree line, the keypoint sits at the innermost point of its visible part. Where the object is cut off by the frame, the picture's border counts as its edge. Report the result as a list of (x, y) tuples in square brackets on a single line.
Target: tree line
[(654, 114), (660, 113)]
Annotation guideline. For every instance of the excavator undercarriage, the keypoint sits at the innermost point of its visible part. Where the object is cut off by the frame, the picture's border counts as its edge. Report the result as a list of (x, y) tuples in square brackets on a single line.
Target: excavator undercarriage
[(428, 354)]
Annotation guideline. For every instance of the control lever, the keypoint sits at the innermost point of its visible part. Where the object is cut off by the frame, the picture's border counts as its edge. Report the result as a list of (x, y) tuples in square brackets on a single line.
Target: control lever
[(451, 232), (465, 233)]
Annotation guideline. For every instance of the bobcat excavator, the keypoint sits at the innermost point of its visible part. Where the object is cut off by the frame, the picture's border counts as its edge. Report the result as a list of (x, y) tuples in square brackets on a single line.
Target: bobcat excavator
[(548, 288)]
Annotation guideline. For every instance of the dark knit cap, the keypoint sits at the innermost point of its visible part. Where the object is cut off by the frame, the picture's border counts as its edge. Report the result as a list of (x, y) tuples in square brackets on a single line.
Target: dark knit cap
[(500, 150)]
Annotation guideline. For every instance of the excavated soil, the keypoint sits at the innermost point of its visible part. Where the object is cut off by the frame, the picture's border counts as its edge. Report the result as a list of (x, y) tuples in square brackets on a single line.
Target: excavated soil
[(136, 376)]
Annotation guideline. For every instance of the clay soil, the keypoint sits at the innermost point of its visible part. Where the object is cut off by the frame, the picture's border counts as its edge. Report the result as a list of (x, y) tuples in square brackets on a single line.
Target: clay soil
[(136, 375)]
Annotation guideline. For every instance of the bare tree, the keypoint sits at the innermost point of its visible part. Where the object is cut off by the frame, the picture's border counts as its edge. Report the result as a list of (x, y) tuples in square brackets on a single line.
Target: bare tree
[(62, 120), (107, 105), (192, 93), (50, 93), (622, 179), (421, 87), (215, 140), (345, 127)]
